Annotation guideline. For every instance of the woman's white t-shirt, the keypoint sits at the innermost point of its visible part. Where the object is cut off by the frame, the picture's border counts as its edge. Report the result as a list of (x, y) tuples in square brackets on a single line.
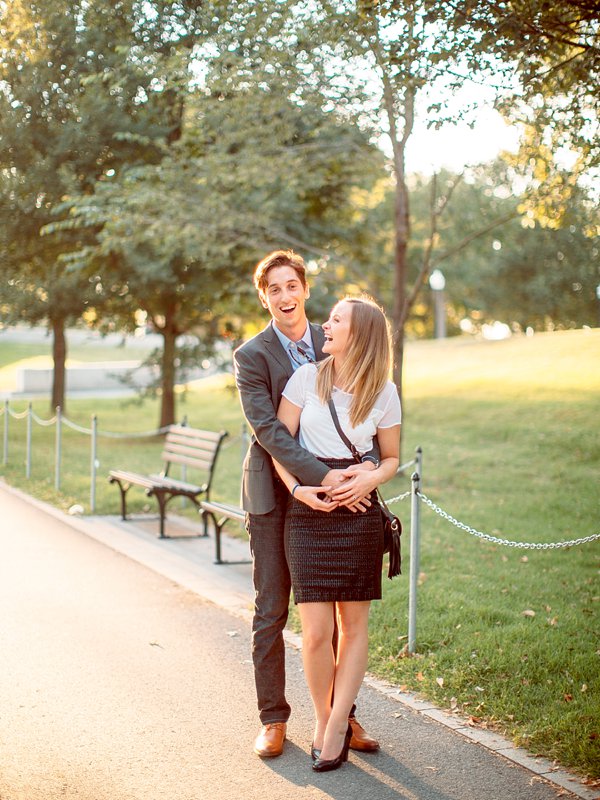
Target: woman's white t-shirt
[(317, 430)]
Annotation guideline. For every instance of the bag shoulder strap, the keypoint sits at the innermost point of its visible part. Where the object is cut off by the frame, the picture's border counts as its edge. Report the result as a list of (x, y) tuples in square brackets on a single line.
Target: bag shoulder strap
[(351, 447), (343, 436)]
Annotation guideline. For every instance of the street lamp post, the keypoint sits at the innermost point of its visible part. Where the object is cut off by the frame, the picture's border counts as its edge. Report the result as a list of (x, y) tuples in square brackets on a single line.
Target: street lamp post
[(437, 282), (598, 299)]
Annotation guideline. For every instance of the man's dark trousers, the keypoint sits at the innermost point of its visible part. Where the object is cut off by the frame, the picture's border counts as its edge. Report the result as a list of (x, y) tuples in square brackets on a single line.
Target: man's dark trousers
[(272, 586)]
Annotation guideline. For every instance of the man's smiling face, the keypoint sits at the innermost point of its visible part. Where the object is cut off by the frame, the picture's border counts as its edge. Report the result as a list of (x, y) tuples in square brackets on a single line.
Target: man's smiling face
[(284, 298)]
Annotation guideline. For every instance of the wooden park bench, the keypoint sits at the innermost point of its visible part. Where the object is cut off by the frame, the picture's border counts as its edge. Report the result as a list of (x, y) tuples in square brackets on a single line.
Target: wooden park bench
[(220, 514), (189, 447)]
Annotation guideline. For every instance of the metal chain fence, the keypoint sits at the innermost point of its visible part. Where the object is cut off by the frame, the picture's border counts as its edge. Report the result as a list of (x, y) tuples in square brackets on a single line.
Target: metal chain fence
[(488, 538), (242, 440)]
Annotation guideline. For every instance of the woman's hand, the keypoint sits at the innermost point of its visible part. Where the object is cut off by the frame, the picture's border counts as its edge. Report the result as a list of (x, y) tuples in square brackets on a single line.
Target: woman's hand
[(360, 481), (309, 495)]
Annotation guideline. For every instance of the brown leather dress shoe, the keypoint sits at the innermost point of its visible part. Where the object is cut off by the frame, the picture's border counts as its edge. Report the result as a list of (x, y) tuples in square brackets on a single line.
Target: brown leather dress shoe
[(360, 738), (269, 742)]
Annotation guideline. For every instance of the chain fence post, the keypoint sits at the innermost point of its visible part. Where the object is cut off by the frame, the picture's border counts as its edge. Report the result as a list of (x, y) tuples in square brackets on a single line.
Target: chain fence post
[(419, 462), (5, 448), (28, 451), (94, 463), (415, 536), (58, 448)]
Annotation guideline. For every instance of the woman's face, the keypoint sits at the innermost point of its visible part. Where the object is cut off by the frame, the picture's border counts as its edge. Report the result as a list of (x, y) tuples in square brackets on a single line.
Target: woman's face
[(337, 329)]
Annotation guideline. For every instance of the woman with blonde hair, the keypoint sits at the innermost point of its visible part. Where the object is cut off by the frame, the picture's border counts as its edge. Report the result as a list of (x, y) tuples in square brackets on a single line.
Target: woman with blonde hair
[(335, 556)]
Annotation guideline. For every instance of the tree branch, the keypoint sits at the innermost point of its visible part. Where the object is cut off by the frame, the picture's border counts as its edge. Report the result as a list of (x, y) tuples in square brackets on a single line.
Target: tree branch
[(475, 235), (434, 216)]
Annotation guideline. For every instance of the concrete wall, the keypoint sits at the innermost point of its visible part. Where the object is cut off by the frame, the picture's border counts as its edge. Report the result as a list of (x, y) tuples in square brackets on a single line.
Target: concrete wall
[(99, 375)]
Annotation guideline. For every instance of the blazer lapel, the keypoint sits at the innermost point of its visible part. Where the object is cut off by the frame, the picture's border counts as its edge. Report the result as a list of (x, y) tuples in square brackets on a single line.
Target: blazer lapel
[(275, 348)]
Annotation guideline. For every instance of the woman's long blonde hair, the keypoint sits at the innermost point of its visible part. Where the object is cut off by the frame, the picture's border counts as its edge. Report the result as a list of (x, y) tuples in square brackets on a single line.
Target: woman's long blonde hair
[(366, 368)]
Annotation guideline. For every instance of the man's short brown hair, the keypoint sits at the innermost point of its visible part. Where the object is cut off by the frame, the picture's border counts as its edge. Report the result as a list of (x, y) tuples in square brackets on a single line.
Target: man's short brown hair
[(278, 258)]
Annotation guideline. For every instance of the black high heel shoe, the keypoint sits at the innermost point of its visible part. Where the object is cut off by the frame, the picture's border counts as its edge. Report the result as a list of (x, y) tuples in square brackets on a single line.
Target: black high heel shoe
[(314, 752), (329, 764)]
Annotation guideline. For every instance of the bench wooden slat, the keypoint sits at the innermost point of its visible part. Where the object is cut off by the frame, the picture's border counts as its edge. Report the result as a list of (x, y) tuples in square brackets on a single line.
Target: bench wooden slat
[(132, 477), (166, 480), (195, 433), (174, 458), (192, 452), (232, 512), (204, 445)]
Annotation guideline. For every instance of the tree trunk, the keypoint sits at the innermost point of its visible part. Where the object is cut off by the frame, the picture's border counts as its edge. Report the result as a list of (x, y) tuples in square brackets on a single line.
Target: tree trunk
[(59, 357), (400, 278), (398, 141), (167, 407)]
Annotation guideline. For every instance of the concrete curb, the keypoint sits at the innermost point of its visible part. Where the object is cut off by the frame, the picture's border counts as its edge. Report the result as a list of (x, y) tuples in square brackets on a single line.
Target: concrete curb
[(229, 586)]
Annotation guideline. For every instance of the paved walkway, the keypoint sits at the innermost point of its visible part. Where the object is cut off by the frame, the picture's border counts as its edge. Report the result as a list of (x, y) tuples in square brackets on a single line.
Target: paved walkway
[(426, 754)]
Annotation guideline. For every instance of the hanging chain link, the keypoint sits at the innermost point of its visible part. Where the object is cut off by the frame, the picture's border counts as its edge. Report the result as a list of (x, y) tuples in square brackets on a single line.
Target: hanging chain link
[(496, 540), (398, 498)]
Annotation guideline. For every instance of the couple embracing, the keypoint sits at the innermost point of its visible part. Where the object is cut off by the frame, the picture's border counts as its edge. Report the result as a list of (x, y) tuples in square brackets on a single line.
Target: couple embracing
[(311, 511)]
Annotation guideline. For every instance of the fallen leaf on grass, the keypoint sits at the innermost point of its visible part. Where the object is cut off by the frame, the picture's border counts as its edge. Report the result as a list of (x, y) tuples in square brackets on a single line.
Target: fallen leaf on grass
[(593, 782), (567, 698), (419, 676), (439, 681), (528, 613)]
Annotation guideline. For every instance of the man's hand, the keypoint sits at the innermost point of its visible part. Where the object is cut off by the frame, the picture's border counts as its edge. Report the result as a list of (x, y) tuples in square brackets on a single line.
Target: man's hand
[(310, 496), (335, 477)]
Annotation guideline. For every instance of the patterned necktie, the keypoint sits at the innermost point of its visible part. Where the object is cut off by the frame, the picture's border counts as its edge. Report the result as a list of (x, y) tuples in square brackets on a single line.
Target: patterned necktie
[(299, 355)]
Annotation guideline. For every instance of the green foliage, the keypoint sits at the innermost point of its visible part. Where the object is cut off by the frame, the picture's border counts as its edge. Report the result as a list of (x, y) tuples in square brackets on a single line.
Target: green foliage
[(546, 57), (68, 85)]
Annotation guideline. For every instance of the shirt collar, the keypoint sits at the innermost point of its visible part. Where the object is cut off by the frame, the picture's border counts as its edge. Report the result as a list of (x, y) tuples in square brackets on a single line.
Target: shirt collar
[(305, 341)]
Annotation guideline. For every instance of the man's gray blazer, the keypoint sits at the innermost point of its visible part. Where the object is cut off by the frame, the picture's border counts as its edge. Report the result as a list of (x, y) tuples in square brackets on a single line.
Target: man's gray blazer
[(262, 369)]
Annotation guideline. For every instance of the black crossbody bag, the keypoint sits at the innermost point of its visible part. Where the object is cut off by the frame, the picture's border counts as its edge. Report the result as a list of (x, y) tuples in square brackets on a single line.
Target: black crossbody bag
[(392, 527)]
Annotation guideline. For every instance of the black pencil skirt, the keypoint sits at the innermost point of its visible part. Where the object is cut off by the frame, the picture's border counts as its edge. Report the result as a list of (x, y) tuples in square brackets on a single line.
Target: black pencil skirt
[(334, 556)]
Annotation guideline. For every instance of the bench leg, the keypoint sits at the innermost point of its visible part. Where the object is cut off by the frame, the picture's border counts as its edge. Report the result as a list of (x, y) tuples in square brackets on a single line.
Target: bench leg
[(204, 516), (217, 526), (123, 493), (218, 541), (162, 510)]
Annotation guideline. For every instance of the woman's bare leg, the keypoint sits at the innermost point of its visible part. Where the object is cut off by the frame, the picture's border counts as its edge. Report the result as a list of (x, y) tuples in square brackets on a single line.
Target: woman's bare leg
[(319, 661), (352, 654)]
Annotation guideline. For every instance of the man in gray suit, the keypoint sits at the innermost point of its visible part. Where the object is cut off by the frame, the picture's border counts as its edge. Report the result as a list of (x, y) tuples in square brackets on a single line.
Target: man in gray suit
[(263, 366)]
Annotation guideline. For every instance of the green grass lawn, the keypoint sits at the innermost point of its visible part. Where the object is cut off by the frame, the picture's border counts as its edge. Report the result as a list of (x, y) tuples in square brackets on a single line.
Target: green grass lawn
[(511, 440)]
